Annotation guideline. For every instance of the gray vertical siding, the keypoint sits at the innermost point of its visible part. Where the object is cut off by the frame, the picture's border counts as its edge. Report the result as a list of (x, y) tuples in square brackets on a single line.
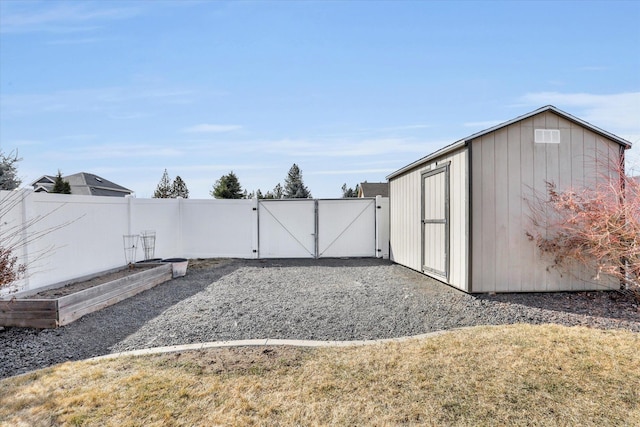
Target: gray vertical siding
[(508, 169), (406, 215)]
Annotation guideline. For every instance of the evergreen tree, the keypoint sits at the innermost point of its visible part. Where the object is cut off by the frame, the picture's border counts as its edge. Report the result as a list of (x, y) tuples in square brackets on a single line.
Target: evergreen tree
[(60, 185), (277, 193), (8, 171), (179, 188), (259, 194), (349, 192), (164, 189), (227, 187), (294, 188)]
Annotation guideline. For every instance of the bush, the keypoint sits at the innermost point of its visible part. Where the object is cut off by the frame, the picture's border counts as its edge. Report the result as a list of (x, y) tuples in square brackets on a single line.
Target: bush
[(598, 228)]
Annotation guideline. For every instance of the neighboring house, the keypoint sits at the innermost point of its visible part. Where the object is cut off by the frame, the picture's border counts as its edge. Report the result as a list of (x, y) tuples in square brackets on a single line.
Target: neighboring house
[(373, 189), (461, 213), (83, 183)]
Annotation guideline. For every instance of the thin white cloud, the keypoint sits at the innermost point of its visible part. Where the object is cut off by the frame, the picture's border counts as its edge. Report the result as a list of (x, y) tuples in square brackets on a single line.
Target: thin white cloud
[(593, 68), (618, 113), (74, 41), (405, 127), (114, 151), (128, 116), (211, 128), (346, 148), (19, 17), (21, 143), (96, 99), (484, 124), (352, 171)]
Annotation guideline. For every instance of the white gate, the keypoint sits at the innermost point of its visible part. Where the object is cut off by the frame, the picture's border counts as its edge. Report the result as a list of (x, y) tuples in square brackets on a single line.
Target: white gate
[(287, 228), (346, 228), (305, 228)]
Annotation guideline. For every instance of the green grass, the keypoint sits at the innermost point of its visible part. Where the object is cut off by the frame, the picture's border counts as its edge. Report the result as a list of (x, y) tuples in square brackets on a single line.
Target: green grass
[(506, 375)]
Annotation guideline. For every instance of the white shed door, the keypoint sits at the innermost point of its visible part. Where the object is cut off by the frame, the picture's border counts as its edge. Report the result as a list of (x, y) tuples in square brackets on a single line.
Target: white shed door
[(287, 228), (435, 221)]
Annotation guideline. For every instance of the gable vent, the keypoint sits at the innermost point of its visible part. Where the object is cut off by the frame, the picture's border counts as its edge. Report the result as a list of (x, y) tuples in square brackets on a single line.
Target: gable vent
[(547, 136)]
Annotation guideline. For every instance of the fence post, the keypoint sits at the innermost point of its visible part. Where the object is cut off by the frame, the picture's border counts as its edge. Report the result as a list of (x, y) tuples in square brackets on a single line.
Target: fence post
[(256, 228), (382, 227), (180, 249), (129, 198)]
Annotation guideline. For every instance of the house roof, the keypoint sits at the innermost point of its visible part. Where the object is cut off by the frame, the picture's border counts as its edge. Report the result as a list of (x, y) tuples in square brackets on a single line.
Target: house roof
[(372, 189), (83, 183), (464, 141)]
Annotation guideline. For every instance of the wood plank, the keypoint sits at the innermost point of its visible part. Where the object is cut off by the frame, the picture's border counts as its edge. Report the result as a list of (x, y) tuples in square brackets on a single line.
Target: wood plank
[(26, 314), (115, 284), (108, 292), (49, 313), (475, 219), (540, 190), (529, 251), (28, 304), (42, 323), (488, 251), (73, 312), (516, 234), (577, 157), (590, 160), (34, 313), (501, 176)]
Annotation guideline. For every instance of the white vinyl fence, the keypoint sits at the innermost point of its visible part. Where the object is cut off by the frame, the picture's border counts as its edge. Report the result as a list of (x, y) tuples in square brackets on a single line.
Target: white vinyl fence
[(63, 237)]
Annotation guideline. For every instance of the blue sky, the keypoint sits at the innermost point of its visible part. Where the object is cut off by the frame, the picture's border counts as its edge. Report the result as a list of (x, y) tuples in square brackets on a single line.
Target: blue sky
[(350, 91)]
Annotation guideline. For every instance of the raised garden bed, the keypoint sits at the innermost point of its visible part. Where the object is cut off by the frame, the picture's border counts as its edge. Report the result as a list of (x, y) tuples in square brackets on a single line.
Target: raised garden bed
[(61, 305)]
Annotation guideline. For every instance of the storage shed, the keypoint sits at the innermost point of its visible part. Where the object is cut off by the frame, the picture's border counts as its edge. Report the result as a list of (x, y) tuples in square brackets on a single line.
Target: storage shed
[(460, 214)]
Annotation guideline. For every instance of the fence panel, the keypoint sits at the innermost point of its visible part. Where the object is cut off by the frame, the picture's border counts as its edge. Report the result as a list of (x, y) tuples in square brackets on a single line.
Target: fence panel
[(219, 228), (161, 216), (70, 236)]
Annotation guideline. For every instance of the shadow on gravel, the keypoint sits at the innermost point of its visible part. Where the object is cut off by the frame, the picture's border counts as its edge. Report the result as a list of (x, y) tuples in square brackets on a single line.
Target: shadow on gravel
[(25, 349), (606, 304), (321, 262)]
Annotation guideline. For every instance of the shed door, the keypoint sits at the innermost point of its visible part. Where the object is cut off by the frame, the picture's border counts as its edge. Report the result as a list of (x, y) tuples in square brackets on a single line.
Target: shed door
[(435, 221)]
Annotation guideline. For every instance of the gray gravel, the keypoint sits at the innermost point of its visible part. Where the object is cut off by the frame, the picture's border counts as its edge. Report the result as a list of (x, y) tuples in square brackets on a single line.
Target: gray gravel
[(334, 299)]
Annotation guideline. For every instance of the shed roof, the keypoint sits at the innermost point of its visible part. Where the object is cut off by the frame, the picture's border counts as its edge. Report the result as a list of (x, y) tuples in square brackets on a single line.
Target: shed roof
[(464, 141)]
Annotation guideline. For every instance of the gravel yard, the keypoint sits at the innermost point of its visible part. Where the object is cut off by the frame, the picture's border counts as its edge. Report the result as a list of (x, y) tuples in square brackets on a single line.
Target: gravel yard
[(328, 299)]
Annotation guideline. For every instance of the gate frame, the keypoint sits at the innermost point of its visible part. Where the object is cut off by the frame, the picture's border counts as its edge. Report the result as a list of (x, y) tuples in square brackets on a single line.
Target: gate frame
[(376, 205)]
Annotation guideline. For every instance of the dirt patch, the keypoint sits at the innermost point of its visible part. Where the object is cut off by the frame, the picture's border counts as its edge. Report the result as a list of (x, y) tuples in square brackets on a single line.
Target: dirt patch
[(86, 284), (196, 264), (237, 359), (205, 263)]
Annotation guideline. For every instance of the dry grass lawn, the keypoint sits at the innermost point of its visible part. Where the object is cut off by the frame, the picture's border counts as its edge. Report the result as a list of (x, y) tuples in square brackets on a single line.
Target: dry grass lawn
[(507, 375)]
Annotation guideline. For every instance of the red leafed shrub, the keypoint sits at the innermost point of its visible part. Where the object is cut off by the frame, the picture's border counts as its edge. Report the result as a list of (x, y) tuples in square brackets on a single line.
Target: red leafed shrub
[(10, 270), (598, 228)]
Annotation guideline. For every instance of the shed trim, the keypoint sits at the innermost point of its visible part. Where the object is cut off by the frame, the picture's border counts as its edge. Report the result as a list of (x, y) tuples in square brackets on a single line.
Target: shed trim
[(454, 146)]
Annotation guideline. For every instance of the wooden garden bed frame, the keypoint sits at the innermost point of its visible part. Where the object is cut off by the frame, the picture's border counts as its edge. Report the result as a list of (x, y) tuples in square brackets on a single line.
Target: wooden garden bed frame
[(55, 312)]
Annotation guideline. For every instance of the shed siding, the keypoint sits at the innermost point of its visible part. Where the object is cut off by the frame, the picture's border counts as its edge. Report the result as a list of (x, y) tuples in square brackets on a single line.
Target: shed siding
[(508, 169), (406, 215)]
